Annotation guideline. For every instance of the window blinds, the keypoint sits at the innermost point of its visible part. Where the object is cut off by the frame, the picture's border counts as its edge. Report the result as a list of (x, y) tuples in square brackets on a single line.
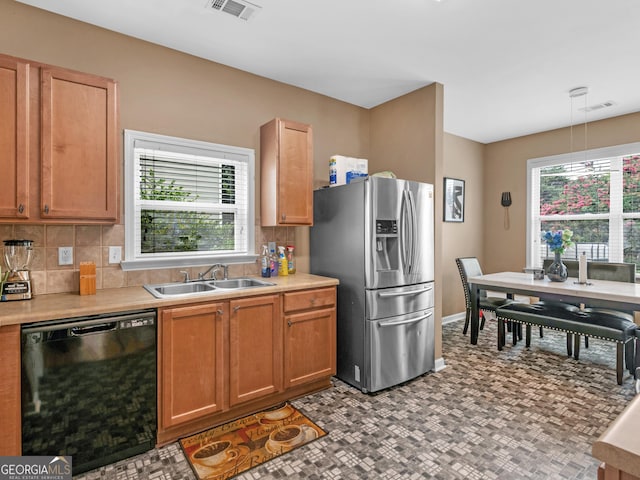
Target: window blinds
[(188, 202)]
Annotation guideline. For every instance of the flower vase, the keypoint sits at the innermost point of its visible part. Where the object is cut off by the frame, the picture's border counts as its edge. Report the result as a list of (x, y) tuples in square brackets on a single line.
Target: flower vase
[(557, 271)]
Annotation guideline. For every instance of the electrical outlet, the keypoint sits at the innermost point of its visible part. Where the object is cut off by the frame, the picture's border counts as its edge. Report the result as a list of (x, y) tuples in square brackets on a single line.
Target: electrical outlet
[(65, 255), (272, 247), (115, 254)]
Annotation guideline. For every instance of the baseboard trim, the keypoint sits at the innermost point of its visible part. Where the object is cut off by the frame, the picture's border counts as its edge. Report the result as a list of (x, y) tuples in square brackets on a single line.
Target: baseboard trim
[(454, 318), (439, 365)]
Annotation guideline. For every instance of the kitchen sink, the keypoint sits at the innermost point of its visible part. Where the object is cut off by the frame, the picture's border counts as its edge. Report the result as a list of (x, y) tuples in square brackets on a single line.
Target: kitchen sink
[(171, 289), (201, 287), (240, 283)]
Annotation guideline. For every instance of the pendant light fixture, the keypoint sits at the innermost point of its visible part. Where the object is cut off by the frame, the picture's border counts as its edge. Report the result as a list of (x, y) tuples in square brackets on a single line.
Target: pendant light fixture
[(576, 93)]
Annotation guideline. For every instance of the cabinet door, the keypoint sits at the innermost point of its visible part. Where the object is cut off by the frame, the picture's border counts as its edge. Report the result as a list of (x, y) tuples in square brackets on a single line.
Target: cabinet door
[(295, 182), (286, 173), (255, 355), (192, 362), (10, 431), (79, 146), (14, 138), (309, 346)]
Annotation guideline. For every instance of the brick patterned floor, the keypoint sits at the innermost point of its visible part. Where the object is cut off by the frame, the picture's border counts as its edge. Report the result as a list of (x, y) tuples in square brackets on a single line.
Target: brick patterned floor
[(516, 414)]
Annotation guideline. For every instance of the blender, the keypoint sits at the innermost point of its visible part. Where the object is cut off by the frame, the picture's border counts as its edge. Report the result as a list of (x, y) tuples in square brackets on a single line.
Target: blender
[(16, 283)]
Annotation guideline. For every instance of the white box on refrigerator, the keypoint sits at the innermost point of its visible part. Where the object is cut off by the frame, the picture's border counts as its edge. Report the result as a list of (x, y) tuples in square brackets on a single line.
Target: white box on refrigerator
[(344, 169)]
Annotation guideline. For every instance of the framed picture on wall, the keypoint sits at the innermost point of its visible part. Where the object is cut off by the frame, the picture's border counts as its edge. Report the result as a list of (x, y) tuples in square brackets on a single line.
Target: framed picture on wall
[(453, 200)]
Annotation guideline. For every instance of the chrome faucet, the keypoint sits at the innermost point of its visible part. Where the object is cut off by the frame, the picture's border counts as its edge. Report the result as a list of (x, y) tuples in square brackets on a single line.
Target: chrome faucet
[(213, 269)]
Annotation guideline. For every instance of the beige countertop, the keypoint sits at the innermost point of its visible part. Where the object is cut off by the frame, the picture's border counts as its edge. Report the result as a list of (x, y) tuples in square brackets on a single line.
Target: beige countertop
[(619, 445), (67, 305)]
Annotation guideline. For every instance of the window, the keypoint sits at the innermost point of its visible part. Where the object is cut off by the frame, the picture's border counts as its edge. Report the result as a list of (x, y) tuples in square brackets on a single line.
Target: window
[(596, 194), (187, 202)]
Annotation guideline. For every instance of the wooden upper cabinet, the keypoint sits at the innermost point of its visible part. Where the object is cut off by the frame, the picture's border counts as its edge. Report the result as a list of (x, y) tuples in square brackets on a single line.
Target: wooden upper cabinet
[(59, 145), (14, 138), (79, 142), (286, 173)]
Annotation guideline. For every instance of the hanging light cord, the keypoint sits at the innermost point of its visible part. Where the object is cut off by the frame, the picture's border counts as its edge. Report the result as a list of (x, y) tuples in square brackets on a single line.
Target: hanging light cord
[(573, 93)]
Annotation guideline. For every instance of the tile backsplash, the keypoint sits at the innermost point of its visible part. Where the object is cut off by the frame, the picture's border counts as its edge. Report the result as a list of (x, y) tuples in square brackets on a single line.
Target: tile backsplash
[(91, 244)]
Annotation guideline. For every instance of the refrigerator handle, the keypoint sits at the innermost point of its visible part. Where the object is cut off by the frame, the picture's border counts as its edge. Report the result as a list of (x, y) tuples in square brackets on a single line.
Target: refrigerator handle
[(404, 235), (405, 322), (404, 293), (412, 230)]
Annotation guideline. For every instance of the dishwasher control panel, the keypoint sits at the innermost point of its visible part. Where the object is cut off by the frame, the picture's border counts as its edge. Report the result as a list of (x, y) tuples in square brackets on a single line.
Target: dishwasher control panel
[(138, 322)]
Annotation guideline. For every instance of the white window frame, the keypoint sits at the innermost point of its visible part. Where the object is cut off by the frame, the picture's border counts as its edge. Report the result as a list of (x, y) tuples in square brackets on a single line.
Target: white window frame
[(615, 214), (136, 261)]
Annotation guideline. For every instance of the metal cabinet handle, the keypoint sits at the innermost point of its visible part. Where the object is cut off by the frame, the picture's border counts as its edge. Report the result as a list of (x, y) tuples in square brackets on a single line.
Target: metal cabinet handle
[(46, 209), (284, 216), (20, 208), (220, 312), (236, 308), (289, 322)]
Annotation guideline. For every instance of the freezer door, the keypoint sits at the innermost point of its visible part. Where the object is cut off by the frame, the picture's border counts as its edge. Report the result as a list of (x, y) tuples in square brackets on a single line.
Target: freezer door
[(388, 302), (399, 223), (400, 348)]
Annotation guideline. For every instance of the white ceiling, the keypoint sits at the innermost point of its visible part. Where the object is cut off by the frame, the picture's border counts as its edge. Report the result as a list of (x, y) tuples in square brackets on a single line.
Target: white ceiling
[(506, 65)]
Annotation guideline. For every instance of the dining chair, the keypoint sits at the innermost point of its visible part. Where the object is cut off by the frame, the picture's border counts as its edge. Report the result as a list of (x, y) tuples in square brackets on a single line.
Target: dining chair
[(470, 267), (616, 272)]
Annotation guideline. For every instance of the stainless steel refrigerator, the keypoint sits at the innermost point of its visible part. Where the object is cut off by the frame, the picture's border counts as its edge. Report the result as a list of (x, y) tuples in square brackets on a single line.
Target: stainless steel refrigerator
[(376, 237)]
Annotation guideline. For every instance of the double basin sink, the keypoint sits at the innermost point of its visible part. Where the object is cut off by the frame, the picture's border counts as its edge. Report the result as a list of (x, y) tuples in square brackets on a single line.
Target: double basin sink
[(177, 289)]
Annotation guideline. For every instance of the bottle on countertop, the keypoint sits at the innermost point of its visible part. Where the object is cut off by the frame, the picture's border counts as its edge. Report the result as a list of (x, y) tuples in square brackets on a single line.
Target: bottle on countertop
[(273, 263), (283, 267), (291, 260), (265, 262)]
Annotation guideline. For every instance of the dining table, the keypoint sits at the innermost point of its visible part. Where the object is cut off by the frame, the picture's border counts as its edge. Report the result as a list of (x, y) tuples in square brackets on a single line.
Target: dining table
[(595, 293)]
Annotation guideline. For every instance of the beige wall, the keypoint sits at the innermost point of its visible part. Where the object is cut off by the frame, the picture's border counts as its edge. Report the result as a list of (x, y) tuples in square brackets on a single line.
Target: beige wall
[(463, 159), (505, 169), (407, 138), (404, 134), (167, 92)]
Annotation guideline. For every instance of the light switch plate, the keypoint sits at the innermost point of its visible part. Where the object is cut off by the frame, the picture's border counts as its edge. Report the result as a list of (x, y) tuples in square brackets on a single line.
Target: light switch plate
[(115, 254), (65, 255)]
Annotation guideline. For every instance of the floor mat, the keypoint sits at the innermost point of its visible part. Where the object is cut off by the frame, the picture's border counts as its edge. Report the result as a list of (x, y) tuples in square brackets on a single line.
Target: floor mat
[(227, 450)]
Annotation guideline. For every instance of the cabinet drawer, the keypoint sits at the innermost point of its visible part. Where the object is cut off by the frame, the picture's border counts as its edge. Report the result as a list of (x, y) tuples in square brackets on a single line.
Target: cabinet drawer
[(306, 299)]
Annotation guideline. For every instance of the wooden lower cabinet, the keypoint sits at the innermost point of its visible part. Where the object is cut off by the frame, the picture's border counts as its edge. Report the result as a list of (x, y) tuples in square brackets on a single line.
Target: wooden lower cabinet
[(220, 361), (192, 363), (309, 335), (255, 348), (10, 429), (607, 472)]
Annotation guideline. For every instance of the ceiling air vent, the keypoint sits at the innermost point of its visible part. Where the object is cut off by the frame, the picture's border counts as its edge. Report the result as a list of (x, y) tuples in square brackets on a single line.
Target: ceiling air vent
[(599, 106), (238, 8)]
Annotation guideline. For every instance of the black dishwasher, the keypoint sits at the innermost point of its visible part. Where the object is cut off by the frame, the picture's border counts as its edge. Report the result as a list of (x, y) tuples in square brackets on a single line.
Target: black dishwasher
[(89, 388)]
